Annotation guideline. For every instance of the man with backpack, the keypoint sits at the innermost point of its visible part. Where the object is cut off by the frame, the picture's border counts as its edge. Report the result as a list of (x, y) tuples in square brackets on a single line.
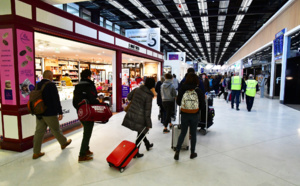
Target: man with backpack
[(50, 117), (192, 100)]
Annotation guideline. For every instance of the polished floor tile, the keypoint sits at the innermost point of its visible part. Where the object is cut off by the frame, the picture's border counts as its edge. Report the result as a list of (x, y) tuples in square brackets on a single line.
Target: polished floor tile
[(259, 148)]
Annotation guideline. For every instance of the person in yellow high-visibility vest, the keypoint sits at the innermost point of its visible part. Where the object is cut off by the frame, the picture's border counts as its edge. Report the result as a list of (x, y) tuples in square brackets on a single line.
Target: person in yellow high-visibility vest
[(251, 88), (236, 86)]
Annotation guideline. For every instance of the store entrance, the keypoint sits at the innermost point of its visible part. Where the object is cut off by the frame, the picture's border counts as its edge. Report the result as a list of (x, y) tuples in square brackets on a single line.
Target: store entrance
[(292, 82), (134, 72), (277, 80), (67, 59)]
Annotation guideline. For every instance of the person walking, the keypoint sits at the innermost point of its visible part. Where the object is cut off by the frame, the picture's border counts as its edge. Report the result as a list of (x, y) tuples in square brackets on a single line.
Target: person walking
[(168, 94), (138, 115), (244, 87), (192, 70), (162, 111), (236, 86), (85, 89), (221, 85), (50, 118), (251, 88), (205, 82), (190, 118), (175, 82)]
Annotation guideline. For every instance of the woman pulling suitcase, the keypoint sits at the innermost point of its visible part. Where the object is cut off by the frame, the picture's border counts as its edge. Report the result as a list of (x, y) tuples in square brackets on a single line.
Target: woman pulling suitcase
[(138, 115), (191, 99)]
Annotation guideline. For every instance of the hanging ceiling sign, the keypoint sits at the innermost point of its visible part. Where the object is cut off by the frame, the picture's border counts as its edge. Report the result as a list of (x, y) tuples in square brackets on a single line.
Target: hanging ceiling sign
[(149, 37)]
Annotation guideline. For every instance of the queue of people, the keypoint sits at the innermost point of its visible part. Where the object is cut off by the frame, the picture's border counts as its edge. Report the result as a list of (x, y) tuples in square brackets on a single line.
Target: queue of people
[(191, 98)]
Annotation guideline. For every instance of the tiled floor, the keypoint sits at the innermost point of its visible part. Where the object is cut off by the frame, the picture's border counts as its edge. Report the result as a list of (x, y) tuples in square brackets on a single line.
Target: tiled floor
[(258, 148)]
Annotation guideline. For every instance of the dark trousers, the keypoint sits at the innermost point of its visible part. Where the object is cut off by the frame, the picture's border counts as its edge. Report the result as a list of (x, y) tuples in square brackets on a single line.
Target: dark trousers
[(235, 95), (169, 108), (243, 95), (188, 120), (225, 95), (249, 102), (162, 113), (87, 133), (140, 138)]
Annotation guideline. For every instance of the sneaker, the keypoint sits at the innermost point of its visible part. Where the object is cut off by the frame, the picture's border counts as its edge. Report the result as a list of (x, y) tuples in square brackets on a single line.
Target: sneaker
[(36, 156), (84, 158), (193, 155), (89, 153), (65, 145), (232, 106), (166, 131), (176, 156)]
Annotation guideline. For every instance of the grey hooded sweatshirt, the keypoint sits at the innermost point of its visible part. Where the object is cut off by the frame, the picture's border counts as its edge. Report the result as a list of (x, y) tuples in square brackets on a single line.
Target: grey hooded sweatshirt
[(168, 92)]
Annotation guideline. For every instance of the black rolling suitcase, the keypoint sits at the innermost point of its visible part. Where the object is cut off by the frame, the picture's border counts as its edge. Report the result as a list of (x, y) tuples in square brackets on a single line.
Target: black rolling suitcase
[(206, 118)]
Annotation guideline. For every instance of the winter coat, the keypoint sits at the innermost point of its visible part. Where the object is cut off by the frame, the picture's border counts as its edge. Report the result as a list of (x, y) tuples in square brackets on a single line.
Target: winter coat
[(200, 93), (168, 92), (175, 83), (206, 84), (138, 115), (51, 99), (85, 89), (157, 90)]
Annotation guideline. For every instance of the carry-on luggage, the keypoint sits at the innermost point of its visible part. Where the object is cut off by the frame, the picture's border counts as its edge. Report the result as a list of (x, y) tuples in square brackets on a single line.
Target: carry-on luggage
[(90, 112), (121, 156), (210, 101), (206, 118), (176, 130)]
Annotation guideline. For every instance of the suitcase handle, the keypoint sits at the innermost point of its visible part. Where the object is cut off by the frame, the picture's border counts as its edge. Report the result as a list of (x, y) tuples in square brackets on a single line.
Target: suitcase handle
[(140, 135)]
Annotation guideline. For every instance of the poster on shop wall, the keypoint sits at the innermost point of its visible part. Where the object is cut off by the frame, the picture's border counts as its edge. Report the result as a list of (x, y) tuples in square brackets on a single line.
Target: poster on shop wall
[(8, 90), (26, 64), (125, 83)]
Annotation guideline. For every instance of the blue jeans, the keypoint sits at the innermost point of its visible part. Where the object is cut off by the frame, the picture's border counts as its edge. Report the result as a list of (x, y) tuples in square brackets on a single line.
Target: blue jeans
[(235, 95), (188, 120)]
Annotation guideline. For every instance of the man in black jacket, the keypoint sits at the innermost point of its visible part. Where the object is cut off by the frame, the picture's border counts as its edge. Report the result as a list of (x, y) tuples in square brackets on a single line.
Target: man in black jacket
[(85, 89), (49, 117)]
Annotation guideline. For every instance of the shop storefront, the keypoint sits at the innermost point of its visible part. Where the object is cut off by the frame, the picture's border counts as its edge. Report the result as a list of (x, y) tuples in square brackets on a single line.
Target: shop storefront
[(291, 69), (37, 37), (259, 65)]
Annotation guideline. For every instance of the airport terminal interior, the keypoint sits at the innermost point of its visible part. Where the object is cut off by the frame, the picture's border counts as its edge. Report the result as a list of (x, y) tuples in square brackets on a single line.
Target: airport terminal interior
[(250, 47)]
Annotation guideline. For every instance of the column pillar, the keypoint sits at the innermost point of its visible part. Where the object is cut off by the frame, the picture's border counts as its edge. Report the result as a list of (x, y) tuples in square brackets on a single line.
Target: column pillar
[(119, 81)]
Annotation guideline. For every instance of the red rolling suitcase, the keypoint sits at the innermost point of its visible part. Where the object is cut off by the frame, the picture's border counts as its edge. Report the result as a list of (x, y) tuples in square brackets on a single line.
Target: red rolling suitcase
[(121, 156)]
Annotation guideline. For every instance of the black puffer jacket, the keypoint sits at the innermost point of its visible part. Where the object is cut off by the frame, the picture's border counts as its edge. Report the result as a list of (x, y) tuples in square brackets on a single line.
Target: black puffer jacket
[(201, 97), (138, 115), (85, 89)]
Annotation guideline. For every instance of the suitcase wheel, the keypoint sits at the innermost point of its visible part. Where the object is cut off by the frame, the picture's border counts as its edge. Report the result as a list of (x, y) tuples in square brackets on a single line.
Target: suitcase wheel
[(110, 165), (122, 170), (202, 131), (187, 148)]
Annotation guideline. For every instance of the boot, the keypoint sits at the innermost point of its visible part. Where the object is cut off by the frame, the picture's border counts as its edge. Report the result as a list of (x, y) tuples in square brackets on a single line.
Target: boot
[(148, 145), (138, 155), (176, 156)]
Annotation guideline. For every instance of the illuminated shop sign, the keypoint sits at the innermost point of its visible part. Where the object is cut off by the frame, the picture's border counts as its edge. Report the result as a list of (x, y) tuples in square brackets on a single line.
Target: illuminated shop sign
[(133, 47)]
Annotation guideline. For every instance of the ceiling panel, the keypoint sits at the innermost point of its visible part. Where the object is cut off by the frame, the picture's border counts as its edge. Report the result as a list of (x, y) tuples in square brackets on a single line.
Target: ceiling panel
[(240, 20)]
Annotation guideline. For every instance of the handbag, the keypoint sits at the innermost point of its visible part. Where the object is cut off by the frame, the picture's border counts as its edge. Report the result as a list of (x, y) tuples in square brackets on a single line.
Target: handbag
[(128, 106), (93, 112)]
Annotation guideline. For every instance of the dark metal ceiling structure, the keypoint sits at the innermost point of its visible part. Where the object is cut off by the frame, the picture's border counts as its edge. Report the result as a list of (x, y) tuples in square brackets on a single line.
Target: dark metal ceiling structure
[(211, 30)]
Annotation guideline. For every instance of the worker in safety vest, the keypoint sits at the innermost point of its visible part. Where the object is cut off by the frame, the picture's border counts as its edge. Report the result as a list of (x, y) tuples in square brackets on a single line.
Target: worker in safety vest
[(251, 88), (236, 86)]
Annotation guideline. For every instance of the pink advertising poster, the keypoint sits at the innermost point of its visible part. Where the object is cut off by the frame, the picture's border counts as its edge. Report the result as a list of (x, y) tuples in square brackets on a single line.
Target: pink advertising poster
[(8, 85), (25, 64)]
